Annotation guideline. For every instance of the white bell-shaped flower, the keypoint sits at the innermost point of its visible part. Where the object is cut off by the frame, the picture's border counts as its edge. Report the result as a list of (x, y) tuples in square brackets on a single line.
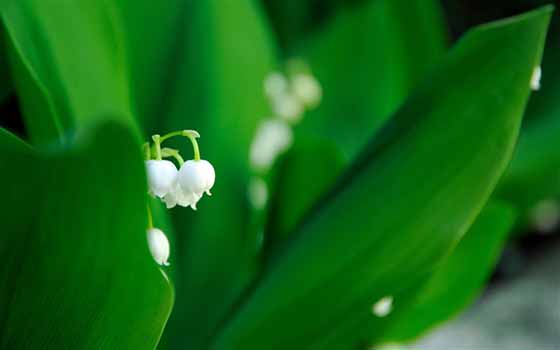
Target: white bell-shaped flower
[(275, 84), (181, 198), (272, 137), (257, 193), (196, 177), (288, 107), (162, 177), (536, 79), (307, 89), (383, 306), (159, 246)]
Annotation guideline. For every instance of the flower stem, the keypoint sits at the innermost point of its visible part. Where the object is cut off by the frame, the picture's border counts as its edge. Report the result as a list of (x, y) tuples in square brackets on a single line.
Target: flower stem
[(157, 144), (170, 152), (147, 151), (150, 219), (193, 135), (171, 134)]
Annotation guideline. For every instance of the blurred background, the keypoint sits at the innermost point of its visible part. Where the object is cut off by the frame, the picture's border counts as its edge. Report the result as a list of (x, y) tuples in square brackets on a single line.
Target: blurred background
[(515, 310)]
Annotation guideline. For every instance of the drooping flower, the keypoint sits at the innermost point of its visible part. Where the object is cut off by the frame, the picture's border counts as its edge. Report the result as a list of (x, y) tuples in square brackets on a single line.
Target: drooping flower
[(273, 137), (383, 306), (288, 107), (162, 177), (257, 193), (195, 178), (536, 79), (307, 89), (179, 197), (275, 84), (546, 215), (159, 246)]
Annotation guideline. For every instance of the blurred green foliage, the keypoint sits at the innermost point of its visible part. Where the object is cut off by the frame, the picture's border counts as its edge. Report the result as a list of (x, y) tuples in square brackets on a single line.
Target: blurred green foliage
[(380, 194)]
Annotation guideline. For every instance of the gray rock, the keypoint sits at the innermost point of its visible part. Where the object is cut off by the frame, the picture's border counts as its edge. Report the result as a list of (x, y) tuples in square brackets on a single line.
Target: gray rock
[(521, 314)]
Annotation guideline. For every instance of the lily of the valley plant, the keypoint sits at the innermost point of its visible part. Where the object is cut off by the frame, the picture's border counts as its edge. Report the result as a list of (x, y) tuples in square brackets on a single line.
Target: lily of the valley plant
[(184, 186)]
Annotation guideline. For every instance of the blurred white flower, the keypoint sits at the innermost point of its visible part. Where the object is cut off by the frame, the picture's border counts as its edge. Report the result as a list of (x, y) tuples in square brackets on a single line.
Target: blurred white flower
[(273, 137), (546, 215), (257, 193), (288, 107), (159, 246), (275, 84), (162, 177), (383, 307), (307, 89), (195, 177), (536, 78)]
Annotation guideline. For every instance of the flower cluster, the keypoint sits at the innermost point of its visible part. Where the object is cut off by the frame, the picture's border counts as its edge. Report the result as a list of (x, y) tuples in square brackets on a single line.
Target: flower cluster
[(184, 186), (290, 94)]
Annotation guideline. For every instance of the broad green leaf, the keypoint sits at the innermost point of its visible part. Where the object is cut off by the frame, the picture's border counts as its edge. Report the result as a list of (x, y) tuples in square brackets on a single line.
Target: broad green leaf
[(459, 279), (68, 57), (291, 20), (404, 205), (294, 20), (367, 60), (304, 174), (5, 78), (534, 173), (154, 33), (219, 92), (76, 271)]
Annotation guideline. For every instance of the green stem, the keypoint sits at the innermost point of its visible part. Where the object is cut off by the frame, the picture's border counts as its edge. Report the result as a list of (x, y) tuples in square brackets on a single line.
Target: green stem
[(157, 144), (150, 219), (147, 152), (195, 146), (191, 134), (170, 152), (171, 134)]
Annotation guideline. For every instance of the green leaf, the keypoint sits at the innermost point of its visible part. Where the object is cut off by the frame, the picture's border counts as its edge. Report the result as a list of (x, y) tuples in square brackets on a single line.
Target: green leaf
[(304, 175), (6, 85), (70, 61), (153, 52), (291, 20), (459, 279), (534, 173), (367, 59), (76, 271), (219, 92), (404, 205)]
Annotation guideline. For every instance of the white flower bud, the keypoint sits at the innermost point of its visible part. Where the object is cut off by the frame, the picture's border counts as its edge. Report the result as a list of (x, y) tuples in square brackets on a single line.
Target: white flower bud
[(275, 84), (195, 178), (536, 79), (257, 193), (383, 307), (546, 215), (159, 246), (162, 177), (271, 139), (307, 89), (288, 107)]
